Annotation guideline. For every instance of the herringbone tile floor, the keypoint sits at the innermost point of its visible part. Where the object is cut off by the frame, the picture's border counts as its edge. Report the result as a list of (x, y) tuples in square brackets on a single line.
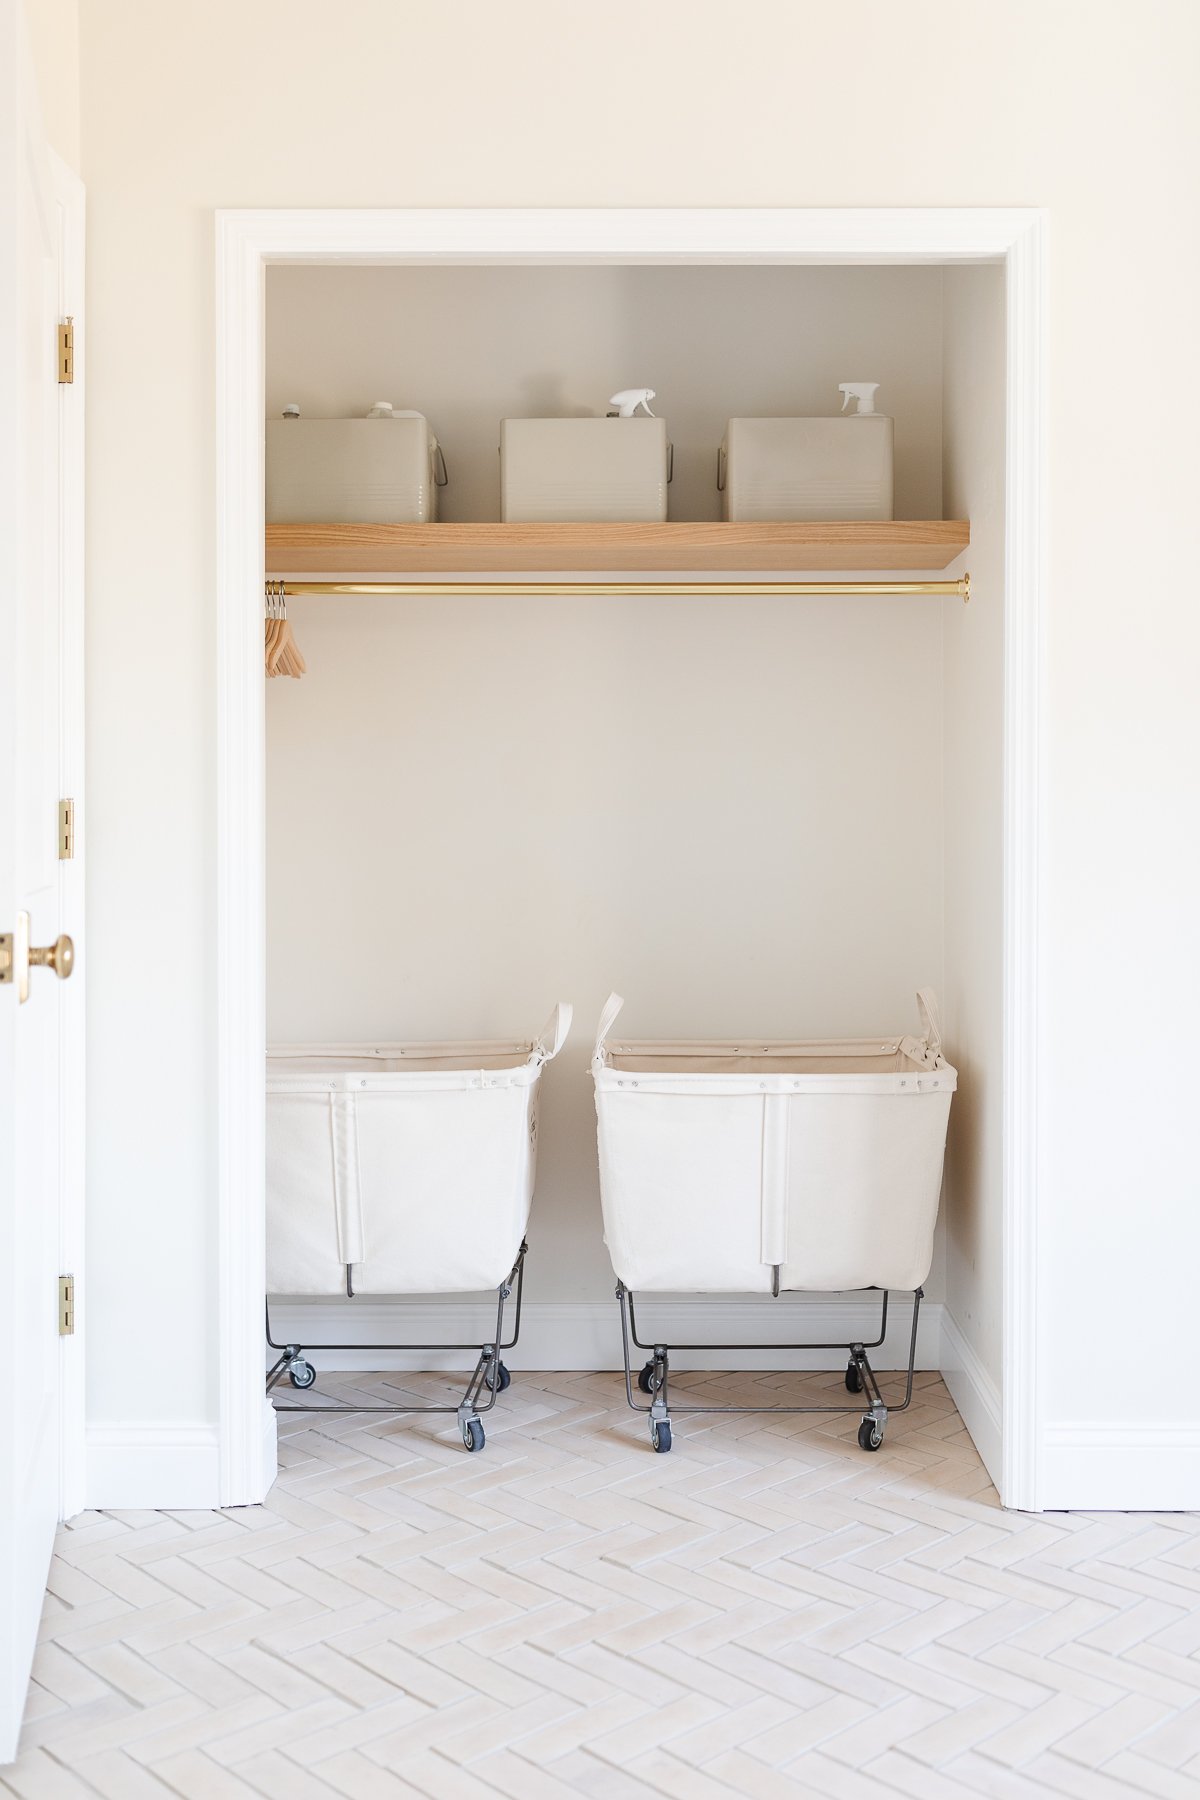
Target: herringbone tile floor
[(765, 1612)]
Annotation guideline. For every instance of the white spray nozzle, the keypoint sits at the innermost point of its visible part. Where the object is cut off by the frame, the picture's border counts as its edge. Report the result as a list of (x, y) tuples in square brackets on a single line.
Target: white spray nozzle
[(862, 391), (629, 399)]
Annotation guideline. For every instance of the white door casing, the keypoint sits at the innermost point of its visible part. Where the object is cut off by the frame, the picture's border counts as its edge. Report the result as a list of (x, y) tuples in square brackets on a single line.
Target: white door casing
[(247, 240), (41, 1168)]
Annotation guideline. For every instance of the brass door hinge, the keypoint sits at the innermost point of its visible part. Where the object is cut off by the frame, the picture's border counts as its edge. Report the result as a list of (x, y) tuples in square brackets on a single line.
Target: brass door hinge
[(66, 1305), (66, 351), (66, 830)]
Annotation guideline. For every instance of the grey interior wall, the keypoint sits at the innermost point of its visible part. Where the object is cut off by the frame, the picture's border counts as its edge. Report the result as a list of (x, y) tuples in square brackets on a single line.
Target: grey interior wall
[(973, 749), (730, 810), (472, 346)]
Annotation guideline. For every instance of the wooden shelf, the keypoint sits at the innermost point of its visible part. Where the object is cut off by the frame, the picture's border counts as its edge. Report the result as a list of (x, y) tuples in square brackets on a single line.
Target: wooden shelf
[(712, 548)]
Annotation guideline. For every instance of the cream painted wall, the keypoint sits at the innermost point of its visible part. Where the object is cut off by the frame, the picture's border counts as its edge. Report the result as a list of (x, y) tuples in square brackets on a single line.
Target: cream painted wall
[(472, 346), (1087, 111), (973, 761), (54, 41)]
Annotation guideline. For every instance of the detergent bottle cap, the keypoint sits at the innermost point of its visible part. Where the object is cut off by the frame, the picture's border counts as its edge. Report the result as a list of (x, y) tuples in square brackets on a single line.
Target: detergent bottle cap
[(862, 391), (382, 409), (292, 410)]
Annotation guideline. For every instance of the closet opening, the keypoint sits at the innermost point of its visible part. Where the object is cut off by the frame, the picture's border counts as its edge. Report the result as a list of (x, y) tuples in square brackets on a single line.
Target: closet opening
[(749, 812)]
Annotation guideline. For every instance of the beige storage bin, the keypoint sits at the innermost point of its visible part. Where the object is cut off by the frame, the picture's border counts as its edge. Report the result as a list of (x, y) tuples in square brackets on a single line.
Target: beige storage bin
[(559, 470), (807, 468), (381, 470)]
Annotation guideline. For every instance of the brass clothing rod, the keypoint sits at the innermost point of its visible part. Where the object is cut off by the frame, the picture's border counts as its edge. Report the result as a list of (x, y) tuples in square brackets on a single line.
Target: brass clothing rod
[(960, 589)]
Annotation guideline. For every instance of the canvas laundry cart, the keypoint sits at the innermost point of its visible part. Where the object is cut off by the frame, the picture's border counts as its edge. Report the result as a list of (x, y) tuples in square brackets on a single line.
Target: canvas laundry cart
[(755, 1167), (404, 1169)]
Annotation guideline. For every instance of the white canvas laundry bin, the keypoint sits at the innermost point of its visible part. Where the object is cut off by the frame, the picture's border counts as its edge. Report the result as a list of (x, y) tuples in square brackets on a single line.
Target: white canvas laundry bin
[(402, 1169), (769, 1167)]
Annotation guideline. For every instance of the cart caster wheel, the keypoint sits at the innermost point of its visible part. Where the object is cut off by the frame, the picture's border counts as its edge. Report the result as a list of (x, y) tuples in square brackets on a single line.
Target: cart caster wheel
[(302, 1374), (854, 1381), (660, 1435), (869, 1435), (646, 1379), (503, 1379), (472, 1434)]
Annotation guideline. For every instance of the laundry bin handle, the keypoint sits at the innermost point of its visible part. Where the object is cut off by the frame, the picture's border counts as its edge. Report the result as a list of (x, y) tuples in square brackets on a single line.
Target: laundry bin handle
[(931, 1019), (553, 1035), (608, 1019)]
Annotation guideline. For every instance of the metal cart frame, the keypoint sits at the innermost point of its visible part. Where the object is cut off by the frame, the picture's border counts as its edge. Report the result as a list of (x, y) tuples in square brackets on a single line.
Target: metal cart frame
[(489, 1375), (654, 1379)]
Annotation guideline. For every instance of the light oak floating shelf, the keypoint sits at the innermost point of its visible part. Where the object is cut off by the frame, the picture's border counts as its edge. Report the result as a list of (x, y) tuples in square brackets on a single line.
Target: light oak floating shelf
[(707, 548)]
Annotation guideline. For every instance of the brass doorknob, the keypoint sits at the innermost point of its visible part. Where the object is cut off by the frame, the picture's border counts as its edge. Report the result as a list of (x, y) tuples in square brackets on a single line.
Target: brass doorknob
[(59, 956)]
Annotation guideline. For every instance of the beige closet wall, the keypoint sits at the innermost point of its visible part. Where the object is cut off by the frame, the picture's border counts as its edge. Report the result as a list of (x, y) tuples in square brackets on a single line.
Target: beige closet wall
[(709, 806), (973, 401), (473, 346), (1087, 111)]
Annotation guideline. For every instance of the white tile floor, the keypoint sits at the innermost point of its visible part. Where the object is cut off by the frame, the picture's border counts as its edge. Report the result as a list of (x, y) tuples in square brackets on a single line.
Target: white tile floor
[(766, 1611)]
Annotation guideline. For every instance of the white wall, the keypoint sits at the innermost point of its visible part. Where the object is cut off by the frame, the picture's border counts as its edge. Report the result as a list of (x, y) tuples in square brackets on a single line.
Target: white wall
[(973, 400), (710, 806), (1087, 112)]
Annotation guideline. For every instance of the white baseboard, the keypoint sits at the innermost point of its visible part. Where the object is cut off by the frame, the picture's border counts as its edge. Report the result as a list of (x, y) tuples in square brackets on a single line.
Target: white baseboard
[(973, 1391), (270, 1447), (587, 1334), (153, 1465), (1128, 1466)]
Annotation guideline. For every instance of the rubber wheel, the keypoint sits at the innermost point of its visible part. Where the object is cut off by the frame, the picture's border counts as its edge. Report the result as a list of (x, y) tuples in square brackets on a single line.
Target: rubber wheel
[(869, 1435), (472, 1434), (660, 1436), (854, 1382), (302, 1375), (646, 1379), (503, 1378)]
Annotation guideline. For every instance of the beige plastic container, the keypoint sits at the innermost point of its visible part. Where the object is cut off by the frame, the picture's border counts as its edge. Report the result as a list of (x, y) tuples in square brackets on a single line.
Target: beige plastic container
[(554, 471), (375, 471), (807, 468)]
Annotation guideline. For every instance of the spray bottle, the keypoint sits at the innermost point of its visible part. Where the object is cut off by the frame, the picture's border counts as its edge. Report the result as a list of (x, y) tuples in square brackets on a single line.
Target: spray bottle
[(870, 452), (862, 391), (628, 401)]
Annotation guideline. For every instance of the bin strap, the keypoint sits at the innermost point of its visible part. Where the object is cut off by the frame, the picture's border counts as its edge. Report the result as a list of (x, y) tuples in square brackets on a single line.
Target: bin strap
[(347, 1188), (773, 1202), (931, 1019), (553, 1035), (608, 1019)]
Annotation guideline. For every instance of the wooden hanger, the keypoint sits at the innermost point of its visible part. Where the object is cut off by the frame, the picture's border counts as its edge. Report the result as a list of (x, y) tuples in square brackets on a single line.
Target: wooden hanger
[(281, 653)]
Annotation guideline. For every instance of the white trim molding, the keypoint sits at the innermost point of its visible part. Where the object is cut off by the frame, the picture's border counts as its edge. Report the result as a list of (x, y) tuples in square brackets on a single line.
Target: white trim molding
[(246, 242), (177, 1466), (1025, 557), (1123, 1466), (975, 1394), (241, 873)]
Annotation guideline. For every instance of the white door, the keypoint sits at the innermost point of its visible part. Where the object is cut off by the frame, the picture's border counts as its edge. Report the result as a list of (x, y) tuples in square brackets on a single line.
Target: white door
[(36, 1032)]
